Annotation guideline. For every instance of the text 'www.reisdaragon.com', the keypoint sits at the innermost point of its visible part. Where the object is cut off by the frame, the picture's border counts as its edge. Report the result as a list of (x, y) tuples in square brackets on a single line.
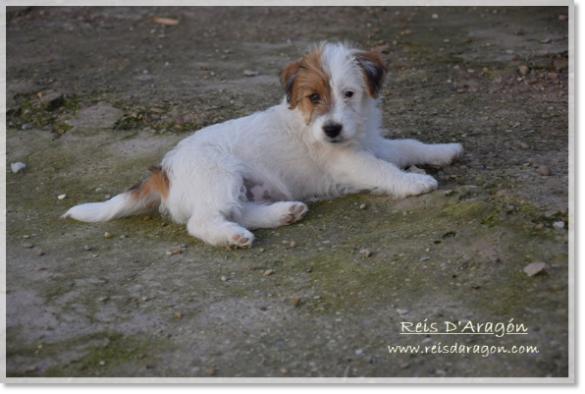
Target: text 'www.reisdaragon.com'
[(483, 350)]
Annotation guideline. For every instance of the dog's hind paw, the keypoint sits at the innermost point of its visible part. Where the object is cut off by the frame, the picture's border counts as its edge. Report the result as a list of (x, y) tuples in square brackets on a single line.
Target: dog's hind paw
[(296, 211), (241, 239)]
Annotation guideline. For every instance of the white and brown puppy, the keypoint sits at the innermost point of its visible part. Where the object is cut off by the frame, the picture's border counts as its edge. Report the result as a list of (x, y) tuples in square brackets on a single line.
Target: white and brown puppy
[(323, 140)]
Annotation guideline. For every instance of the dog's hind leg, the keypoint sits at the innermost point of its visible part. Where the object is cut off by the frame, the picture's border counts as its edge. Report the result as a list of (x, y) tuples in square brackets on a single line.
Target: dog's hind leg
[(216, 230), (404, 153), (256, 215)]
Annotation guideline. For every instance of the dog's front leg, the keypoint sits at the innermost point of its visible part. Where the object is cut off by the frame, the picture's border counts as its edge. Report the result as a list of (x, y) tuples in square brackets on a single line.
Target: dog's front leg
[(405, 153), (363, 171)]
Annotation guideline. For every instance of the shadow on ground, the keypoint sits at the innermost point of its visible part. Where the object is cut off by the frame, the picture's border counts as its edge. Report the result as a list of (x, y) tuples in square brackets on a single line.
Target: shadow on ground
[(96, 95)]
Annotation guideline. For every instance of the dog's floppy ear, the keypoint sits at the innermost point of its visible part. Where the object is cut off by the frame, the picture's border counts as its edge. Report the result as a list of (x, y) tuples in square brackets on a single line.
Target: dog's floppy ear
[(287, 78), (374, 69)]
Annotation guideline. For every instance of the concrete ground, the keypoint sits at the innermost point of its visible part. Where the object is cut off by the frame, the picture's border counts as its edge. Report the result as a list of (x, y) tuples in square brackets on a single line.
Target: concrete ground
[(96, 95)]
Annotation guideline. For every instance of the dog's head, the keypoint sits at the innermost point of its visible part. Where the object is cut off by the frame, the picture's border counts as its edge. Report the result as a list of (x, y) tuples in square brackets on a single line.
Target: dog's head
[(333, 88)]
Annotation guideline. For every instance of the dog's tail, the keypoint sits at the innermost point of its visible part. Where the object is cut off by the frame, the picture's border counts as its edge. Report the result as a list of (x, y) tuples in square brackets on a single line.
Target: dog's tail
[(141, 198)]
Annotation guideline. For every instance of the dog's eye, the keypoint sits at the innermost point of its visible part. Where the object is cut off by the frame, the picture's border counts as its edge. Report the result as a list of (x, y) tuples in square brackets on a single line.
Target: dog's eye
[(314, 98), (348, 94)]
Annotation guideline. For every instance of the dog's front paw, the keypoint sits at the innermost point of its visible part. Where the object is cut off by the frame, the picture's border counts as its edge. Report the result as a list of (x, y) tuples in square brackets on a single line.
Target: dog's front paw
[(416, 184), (454, 152), (444, 154)]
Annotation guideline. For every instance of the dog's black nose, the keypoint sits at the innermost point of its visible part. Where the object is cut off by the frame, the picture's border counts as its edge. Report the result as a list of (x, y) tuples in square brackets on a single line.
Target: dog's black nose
[(332, 130)]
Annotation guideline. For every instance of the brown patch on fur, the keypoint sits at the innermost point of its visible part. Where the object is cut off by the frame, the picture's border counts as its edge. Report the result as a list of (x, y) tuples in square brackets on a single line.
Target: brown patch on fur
[(288, 77), (304, 78), (152, 189), (374, 69)]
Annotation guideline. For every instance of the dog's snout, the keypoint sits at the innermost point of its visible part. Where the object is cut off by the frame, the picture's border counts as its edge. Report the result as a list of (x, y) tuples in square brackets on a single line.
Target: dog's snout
[(332, 130)]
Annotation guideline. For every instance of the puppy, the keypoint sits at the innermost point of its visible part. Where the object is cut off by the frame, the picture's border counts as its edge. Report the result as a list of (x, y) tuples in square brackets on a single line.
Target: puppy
[(322, 141)]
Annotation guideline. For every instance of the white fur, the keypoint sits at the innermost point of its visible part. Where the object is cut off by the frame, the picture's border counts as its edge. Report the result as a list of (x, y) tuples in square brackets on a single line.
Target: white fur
[(288, 159), (118, 206)]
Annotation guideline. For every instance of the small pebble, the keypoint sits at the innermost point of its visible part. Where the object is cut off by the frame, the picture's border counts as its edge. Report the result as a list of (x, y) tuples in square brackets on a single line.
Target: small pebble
[(178, 315), (26, 236), (263, 308), (559, 225), (523, 69), (363, 206), (177, 251), (87, 248), (536, 268), (27, 245), (381, 49), (213, 371), (435, 16), (404, 365), (107, 235), (416, 170), (146, 218), (268, 272), (224, 278), (539, 226), (296, 302), (61, 196), (366, 252), (103, 299), (563, 17), (40, 252), (102, 362), (41, 269), (27, 126), (471, 189), (251, 73), (449, 192), (545, 170), (18, 166), (293, 244)]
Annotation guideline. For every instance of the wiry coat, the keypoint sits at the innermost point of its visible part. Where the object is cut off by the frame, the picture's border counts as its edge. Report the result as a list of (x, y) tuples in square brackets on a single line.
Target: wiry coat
[(323, 140)]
